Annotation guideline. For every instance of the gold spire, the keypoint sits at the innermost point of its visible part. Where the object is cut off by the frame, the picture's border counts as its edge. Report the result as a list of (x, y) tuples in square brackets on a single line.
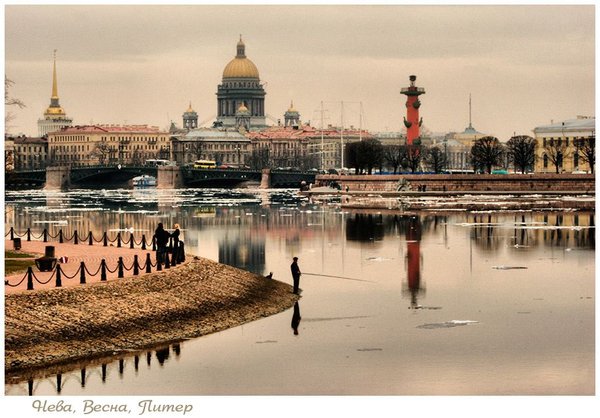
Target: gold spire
[(54, 83), (190, 110), (54, 111)]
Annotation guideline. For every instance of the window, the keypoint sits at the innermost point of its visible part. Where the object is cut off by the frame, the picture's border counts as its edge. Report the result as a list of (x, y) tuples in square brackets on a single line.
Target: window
[(545, 161)]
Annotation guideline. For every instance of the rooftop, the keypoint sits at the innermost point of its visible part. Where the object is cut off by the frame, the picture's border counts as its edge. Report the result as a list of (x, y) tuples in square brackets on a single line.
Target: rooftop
[(110, 129), (579, 123)]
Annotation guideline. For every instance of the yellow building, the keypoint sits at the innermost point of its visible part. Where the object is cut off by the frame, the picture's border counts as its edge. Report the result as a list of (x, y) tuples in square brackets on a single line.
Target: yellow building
[(107, 144), (558, 145)]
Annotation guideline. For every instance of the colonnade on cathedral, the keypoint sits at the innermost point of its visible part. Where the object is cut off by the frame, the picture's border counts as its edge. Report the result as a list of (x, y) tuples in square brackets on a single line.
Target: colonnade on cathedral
[(227, 106)]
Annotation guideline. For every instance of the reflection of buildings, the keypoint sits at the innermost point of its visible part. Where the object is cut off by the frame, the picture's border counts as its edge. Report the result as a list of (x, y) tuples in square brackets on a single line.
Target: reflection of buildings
[(364, 227), (245, 251)]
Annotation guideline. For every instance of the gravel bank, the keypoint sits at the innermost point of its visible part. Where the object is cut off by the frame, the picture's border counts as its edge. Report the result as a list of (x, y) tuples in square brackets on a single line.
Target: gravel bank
[(54, 326)]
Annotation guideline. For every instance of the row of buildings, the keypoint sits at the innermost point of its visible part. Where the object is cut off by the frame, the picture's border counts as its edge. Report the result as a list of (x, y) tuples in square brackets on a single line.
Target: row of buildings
[(240, 135)]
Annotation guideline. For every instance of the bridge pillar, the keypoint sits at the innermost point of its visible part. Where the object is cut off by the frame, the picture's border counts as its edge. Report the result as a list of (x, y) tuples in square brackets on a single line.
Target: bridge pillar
[(169, 177), (265, 180), (58, 177)]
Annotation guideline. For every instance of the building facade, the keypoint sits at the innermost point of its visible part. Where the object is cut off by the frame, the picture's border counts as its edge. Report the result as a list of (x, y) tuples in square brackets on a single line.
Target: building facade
[(29, 153), (107, 144), (55, 117), (224, 146), (559, 145), (241, 87)]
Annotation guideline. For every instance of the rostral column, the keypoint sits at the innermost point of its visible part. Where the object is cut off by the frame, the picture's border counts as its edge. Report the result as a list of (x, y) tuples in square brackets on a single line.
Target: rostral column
[(412, 121)]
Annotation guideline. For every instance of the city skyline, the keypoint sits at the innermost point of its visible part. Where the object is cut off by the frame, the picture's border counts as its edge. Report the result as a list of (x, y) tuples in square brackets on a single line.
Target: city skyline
[(522, 65)]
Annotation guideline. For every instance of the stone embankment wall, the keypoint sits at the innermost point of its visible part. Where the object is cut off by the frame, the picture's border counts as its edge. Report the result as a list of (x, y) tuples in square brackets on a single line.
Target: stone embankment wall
[(584, 183)]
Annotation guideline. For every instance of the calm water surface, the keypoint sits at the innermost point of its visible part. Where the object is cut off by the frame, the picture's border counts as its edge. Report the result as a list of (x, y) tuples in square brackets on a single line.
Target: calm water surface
[(402, 304)]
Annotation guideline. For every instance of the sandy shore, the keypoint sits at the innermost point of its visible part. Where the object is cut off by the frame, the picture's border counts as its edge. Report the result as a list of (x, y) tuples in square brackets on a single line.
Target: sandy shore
[(62, 325)]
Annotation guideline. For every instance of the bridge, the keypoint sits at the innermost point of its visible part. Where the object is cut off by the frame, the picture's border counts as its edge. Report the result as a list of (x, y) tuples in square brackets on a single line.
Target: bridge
[(167, 176)]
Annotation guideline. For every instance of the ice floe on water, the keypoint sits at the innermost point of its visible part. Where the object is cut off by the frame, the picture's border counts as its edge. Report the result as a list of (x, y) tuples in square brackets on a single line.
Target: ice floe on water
[(509, 267), (378, 259), (447, 324), (60, 222)]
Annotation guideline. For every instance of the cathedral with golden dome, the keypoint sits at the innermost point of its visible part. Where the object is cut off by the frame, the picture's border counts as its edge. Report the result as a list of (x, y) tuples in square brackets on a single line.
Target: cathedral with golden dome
[(55, 117), (241, 96)]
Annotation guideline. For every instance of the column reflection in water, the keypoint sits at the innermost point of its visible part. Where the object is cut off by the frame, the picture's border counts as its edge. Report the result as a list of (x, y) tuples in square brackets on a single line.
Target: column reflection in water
[(413, 261)]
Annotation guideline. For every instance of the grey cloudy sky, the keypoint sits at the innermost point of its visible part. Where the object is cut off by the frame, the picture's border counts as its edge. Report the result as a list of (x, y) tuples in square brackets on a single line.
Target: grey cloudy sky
[(523, 65)]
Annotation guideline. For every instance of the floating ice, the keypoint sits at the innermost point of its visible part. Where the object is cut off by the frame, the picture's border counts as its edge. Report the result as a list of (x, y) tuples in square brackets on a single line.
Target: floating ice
[(61, 222), (448, 324), (509, 267), (378, 259)]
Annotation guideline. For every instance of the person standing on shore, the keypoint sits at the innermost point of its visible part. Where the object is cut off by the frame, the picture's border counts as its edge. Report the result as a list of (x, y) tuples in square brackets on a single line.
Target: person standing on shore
[(296, 274), (178, 251), (162, 239)]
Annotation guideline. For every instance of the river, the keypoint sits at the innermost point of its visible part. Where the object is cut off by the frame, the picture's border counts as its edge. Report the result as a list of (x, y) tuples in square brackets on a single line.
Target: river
[(424, 303)]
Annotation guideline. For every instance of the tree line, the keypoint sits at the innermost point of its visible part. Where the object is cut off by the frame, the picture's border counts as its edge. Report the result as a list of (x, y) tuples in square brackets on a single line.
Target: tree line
[(486, 154)]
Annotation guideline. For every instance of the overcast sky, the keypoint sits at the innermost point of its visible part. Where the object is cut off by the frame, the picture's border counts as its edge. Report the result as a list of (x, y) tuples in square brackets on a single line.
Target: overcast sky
[(523, 65)]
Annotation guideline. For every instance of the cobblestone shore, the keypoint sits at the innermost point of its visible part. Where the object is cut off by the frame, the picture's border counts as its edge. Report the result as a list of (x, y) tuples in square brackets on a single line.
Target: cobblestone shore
[(54, 326)]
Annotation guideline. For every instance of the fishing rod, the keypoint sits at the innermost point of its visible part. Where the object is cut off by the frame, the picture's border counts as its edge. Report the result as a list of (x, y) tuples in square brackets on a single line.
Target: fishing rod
[(336, 277)]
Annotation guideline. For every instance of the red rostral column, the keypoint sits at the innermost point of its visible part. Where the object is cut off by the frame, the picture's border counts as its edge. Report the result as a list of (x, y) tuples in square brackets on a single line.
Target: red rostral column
[(412, 121)]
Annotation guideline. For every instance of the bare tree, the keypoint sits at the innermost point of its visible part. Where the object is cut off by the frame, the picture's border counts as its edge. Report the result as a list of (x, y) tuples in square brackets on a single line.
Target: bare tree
[(10, 101), (392, 155), (486, 153), (521, 152), (436, 159), (587, 148), (556, 151), (412, 156)]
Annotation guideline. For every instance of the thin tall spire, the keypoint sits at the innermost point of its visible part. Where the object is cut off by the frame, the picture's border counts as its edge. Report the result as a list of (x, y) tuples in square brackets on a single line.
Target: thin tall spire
[(54, 83), (470, 126)]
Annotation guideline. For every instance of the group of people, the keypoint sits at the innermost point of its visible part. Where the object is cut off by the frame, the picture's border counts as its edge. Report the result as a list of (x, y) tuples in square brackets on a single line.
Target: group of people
[(163, 237)]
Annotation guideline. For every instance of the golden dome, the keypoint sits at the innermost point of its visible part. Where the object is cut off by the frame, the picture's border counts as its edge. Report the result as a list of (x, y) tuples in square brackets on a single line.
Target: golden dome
[(242, 108), (54, 111), (190, 110), (291, 109), (240, 66)]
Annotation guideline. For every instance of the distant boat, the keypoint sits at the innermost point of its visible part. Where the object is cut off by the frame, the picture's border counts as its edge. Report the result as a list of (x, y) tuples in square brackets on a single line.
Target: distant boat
[(144, 181)]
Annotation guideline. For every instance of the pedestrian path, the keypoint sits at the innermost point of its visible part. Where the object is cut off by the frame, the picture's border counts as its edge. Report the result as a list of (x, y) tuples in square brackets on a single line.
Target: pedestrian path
[(91, 255)]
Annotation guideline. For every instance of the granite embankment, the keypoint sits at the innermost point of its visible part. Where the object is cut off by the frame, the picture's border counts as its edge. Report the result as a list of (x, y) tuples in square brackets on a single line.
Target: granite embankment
[(57, 326)]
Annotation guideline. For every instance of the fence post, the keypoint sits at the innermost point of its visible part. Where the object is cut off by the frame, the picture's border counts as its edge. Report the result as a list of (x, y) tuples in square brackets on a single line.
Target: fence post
[(58, 276), (153, 242), (82, 273), (131, 240), (45, 233), (91, 238), (167, 261), (136, 269), (120, 275), (105, 240), (60, 236), (12, 233), (118, 239), (148, 263), (76, 238), (29, 278), (143, 241), (28, 234), (103, 270)]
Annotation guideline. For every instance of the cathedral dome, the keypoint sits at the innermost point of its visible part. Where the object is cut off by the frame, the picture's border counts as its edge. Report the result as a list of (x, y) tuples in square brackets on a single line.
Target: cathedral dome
[(240, 66)]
